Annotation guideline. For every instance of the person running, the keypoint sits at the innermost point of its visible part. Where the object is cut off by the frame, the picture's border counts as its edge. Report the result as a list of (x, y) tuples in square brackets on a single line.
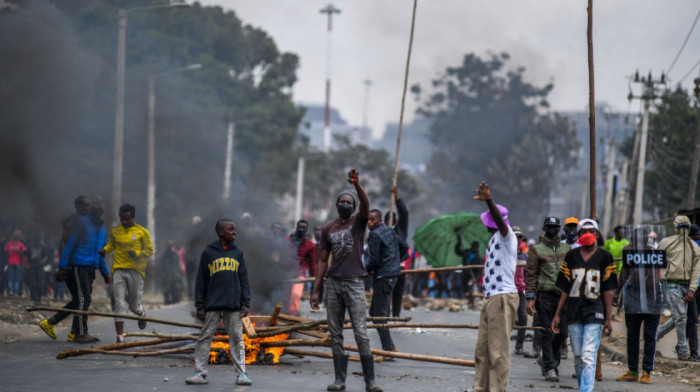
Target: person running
[(79, 260), (492, 352), (344, 238), (131, 244), (305, 261), (586, 279), (385, 248), (643, 300), (680, 280), (543, 263), (222, 291)]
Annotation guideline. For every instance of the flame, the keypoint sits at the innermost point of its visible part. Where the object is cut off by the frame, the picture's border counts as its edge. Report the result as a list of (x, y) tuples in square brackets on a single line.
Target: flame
[(252, 349)]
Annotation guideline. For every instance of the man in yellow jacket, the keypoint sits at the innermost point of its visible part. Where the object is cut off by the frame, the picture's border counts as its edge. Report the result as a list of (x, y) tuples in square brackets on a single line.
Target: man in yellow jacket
[(131, 244)]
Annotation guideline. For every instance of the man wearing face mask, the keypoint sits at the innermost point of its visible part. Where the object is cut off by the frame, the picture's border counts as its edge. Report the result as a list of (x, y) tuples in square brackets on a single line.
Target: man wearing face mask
[(344, 239), (570, 231), (543, 263), (306, 256)]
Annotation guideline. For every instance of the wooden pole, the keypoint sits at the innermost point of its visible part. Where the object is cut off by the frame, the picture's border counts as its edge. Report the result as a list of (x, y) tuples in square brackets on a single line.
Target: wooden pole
[(297, 342), (428, 326), (104, 314), (249, 328), (276, 313), (267, 332), (302, 353), (591, 116), (403, 106), (117, 346), (83, 351)]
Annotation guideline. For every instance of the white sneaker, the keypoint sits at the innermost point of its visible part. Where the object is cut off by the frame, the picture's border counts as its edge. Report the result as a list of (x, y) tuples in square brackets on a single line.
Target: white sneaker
[(197, 379)]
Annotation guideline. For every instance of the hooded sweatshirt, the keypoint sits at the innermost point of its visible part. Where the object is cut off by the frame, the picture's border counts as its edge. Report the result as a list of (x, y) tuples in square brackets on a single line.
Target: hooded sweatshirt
[(222, 279), (682, 254)]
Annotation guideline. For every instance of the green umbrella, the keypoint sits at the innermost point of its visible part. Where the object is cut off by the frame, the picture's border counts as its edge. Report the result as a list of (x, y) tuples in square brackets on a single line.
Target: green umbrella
[(436, 239)]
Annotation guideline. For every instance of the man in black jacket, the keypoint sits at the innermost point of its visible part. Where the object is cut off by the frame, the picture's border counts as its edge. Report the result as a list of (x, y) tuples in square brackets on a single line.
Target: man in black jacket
[(400, 227), (385, 248), (221, 290)]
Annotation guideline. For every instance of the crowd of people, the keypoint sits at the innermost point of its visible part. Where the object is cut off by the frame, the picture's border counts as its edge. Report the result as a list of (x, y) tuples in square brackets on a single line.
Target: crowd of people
[(569, 282)]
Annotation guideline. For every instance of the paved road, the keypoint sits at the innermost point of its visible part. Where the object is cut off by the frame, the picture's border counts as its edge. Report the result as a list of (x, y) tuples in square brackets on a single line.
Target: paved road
[(31, 365)]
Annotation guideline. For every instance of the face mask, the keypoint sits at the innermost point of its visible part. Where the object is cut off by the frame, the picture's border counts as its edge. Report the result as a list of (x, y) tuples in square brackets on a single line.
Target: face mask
[(587, 239), (551, 231), (301, 233), (345, 210), (571, 237)]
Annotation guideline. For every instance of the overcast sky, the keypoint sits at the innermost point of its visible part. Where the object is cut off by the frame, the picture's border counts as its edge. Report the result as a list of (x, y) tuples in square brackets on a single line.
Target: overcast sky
[(547, 37)]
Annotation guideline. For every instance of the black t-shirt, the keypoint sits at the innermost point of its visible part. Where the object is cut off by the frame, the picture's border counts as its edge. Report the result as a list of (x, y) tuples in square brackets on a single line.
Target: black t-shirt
[(585, 281), (344, 240)]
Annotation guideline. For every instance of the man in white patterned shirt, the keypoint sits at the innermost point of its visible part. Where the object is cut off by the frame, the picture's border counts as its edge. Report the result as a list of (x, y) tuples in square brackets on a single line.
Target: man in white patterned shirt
[(492, 353)]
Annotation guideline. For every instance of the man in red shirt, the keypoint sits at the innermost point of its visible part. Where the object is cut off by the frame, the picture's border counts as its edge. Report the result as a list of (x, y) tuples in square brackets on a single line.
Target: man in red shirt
[(15, 250), (306, 256)]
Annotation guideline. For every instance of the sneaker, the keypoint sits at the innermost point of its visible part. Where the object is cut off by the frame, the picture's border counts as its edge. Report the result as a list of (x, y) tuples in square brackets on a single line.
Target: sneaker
[(551, 376), (628, 377), (48, 328), (243, 380), (85, 339), (531, 354), (646, 378), (519, 351), (694, 355), (120, 339), (197, 379), (540, 362), (71, 337), (143, 323)]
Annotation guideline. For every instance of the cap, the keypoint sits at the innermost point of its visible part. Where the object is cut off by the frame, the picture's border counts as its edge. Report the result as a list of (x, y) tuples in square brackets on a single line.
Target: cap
[(570, 221), (517, 231), (552, 221), (587, 224)]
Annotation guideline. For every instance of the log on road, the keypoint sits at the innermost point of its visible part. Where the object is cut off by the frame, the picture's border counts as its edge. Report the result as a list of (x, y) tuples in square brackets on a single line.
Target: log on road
[(114, 315)]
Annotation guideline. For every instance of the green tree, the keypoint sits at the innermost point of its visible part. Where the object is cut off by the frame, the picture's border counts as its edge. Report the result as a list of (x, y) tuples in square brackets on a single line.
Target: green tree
[(490, 124)]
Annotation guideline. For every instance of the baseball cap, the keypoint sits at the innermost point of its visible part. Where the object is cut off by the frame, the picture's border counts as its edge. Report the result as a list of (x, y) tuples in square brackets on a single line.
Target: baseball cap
[(587, 224), (517, 231), (570, 221), (551, 221)]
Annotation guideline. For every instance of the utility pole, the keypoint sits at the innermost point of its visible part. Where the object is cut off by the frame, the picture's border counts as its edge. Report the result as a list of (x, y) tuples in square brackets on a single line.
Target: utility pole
[(229, 164), (299, 204), (119, 115), (609, 191), (696, 155), (330, 9), (365, 106), (647, 96)]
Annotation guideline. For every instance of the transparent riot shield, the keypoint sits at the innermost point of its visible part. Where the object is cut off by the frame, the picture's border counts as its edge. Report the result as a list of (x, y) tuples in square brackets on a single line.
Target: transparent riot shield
[(640, 277)]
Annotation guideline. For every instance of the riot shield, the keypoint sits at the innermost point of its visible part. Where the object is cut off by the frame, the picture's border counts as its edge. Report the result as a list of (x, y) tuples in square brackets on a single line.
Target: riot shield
[(640, 277)]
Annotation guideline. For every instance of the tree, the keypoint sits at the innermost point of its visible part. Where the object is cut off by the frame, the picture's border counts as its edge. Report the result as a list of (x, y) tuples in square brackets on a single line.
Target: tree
[(489, 124)]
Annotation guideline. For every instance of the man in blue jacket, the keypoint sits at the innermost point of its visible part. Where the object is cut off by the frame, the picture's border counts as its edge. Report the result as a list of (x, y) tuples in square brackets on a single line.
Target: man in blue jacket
[(79, 260), (221, 290), (385, 249)]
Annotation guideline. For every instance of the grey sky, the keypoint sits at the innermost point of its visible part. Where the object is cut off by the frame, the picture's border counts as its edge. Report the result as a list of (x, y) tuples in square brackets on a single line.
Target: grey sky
[(547, 37)]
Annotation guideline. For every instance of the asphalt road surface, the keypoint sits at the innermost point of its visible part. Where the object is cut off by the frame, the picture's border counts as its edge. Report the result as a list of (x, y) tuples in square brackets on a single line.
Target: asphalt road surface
[(31, 365)]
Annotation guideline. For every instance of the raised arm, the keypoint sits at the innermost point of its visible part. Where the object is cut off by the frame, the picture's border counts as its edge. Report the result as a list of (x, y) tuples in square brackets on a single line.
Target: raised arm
[(354, 178)]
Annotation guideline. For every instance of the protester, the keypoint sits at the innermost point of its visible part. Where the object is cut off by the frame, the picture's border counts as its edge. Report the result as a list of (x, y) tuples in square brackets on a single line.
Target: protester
[(305, 262), (492, 353), (543, 263), (615, 245), (400, 226), (319, 253), (197, 238), (170, 274), (80, 258), (131, 244), (570, 230), (385, 248), (520, 284), (586, 280), (38, 256), (222, 291), (643, 300), (344, 238), (680, 280), (16, 250)]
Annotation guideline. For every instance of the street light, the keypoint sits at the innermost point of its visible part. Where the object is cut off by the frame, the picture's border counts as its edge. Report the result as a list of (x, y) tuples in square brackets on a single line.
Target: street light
[(151, 147), (119, 110)]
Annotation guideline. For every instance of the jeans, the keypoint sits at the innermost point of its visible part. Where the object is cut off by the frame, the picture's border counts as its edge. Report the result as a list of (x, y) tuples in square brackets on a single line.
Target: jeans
[(674, 293), (634, 325), (127, 286), (234, 329), (585, 339), (341, 295), (381, 295), (691, 326), (546, 305), (14, 277), (521, 321), (79, 281), (457, 285)]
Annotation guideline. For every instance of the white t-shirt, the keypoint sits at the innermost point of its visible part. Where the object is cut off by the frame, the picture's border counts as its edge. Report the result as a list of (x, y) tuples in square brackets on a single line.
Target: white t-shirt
[(501, 261)]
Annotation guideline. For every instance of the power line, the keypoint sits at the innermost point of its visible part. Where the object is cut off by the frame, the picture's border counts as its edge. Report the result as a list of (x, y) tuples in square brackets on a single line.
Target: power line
[(689, 72), (684, 42)]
